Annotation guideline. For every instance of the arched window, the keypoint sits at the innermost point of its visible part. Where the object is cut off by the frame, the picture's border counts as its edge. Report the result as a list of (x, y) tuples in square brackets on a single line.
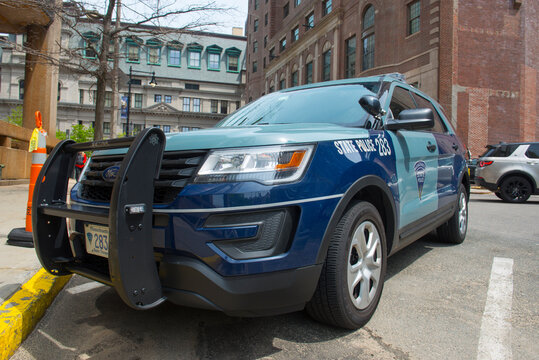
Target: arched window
[(368, 39)]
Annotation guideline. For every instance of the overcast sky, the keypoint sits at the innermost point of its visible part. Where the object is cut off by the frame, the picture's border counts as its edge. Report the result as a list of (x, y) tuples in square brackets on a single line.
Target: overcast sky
[(235, 17)]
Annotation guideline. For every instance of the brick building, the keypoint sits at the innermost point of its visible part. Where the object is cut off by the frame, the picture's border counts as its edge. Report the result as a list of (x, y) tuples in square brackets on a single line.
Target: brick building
[(477, 58)]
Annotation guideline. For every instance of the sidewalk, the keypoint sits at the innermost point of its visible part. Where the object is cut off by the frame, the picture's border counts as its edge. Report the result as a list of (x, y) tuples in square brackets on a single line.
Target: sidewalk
[(26, 290)]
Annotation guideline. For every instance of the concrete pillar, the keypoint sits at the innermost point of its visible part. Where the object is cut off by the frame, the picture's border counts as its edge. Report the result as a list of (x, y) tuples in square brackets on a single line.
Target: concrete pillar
[(41, 77)]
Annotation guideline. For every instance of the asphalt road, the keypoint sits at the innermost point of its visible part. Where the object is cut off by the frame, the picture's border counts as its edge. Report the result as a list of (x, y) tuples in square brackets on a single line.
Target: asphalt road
[(435, 300)]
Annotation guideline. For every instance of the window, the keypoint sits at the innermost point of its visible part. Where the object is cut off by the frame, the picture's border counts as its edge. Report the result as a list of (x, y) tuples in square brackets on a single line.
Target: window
[(265, 41), (214, 106), (255, 66), (400, 100), (421, 102), (168, 99), (350, 60), (21, 89), (286, 10), (326, 7), (282, 84), (264, 59), (59, 91), (106, 128), (295, 78), (186, 128), (133, 49), (414, 12), (256, 4), (309, 21), (271, 89), (108, 98), (186, 104), (297, 3), (533, 151), (368, 39), (196, 105), (166, 128), (238, 105), (194, 59), (233, 57), (326, 66), (81, 96), (138, 101), (189, 86), (174, 57), (157, 98), (91, 40), (224, 107), (137, 128), (265, 19), (255, 25), (255, 47), (154, 53), (157, 126), (309, 73), (214, 61), (282, 45), (295, 34), (272, 54)]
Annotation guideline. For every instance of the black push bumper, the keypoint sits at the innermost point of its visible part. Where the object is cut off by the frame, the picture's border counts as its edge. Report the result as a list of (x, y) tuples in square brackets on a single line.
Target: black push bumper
[(132, 268)]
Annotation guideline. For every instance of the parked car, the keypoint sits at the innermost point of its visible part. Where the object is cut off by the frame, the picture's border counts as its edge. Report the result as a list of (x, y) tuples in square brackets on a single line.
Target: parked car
[(511, 170), (294, 201)]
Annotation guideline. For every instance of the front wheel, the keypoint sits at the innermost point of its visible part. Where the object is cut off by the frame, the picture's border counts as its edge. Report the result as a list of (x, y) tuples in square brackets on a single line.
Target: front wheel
[(352, 277), (515, 189), (454, 230)]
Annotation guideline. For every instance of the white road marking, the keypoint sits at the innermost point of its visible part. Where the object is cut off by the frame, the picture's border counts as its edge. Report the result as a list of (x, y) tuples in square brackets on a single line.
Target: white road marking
[(495, 335), (84, 287), (56, 342)]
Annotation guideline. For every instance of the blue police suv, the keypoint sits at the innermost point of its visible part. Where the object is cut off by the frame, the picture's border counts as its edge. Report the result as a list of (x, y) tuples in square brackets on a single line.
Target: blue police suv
[(294, 201)]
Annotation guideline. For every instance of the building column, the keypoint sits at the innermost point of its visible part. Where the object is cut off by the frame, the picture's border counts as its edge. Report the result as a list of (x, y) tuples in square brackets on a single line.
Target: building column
[(41, 77)]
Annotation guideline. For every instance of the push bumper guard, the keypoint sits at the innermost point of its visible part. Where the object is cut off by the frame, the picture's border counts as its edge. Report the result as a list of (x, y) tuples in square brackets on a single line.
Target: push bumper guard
[(132, 269)]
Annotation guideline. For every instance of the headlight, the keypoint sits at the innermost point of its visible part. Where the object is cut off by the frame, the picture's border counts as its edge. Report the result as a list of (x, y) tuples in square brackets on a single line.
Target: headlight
[(267, 165)]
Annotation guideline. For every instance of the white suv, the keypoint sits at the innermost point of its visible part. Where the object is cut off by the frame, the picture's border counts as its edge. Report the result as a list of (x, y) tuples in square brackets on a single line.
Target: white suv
[(511, 170)]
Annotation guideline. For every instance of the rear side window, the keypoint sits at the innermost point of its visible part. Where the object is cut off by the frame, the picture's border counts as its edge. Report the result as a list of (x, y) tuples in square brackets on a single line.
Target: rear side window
[(503, 150), (533, 151), (401, 100)]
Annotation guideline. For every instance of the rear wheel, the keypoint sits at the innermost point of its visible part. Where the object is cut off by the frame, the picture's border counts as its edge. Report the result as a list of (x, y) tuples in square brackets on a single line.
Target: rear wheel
[(454, 230), (498, 195), (353, 275), (515, 189)]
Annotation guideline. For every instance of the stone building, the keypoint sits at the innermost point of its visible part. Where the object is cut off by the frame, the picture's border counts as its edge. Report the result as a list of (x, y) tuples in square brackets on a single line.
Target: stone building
[(199, 78), (477, 58)]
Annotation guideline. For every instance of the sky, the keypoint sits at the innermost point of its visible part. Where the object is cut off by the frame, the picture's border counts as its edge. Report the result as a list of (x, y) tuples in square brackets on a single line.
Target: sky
[(234, 17)]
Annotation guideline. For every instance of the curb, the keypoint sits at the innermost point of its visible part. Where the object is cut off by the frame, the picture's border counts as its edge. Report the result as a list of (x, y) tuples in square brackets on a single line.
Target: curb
[(23, 310)]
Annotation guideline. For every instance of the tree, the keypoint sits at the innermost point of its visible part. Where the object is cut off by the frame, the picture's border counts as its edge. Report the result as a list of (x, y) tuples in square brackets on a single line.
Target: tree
[(97, 32), (79, 133), (15, 117)]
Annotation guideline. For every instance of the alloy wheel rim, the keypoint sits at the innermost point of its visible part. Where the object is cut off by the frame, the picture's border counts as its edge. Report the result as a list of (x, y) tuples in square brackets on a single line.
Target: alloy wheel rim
[(364, 265), (516, 190), (463, 214)]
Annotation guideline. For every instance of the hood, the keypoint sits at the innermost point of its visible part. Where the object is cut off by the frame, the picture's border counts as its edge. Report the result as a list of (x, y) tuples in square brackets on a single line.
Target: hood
[(279, 134)]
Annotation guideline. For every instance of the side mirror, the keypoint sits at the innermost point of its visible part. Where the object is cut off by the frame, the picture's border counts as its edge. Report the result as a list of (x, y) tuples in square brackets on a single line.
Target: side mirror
[(371, 105), (412, 119)]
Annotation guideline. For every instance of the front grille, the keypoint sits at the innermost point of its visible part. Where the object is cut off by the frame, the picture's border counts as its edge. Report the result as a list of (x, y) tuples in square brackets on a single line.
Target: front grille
[(177, 170)]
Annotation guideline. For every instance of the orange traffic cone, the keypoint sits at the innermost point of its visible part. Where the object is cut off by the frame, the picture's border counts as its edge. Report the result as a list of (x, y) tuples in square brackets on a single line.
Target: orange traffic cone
[(38, 148)]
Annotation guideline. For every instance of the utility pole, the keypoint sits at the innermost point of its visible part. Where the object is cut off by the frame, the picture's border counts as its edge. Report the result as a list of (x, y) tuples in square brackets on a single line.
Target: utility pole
[(115, 71)]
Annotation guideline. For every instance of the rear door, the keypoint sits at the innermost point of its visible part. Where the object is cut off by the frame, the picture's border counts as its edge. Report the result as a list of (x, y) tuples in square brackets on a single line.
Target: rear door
[(533, 162)]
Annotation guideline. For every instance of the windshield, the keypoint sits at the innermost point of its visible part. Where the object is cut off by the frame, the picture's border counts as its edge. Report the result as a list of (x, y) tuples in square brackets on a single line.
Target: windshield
[(326, 104)]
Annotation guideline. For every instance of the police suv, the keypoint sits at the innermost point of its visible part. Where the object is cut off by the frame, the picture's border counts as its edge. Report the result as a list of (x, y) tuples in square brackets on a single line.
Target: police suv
[(294, 201)]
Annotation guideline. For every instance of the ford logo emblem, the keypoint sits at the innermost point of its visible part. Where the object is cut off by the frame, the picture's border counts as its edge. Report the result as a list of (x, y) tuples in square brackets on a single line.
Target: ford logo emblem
[(110, 173)]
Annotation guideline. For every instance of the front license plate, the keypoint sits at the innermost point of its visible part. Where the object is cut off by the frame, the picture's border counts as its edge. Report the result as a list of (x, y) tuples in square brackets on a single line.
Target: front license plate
[(97, 239)]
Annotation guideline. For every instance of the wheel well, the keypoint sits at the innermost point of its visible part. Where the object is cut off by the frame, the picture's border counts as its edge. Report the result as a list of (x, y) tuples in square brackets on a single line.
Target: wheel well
[(521, 174), (379, 199)]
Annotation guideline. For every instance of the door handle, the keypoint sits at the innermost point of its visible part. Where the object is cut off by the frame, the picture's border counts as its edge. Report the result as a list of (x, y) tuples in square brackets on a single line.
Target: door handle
[(455, 147), (431, 147)]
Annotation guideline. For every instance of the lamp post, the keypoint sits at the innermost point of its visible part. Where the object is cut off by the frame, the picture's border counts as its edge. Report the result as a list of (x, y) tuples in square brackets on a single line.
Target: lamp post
[(152, 83)]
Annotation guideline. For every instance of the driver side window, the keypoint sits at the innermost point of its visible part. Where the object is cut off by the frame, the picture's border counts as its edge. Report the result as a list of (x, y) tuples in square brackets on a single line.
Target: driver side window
[(401, 100)]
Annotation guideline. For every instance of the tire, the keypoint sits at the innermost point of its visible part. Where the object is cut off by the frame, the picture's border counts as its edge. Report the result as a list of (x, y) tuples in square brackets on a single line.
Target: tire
[(353, 274), (454, 230), (515, 189), (499, 195)]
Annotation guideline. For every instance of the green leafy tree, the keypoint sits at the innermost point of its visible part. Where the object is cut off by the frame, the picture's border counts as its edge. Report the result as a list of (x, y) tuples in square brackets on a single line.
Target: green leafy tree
[(15, 117), (81, 133), (61, 135)]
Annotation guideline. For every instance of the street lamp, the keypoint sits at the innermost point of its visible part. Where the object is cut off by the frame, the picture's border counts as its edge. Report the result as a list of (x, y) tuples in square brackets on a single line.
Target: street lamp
[(152, 83)]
